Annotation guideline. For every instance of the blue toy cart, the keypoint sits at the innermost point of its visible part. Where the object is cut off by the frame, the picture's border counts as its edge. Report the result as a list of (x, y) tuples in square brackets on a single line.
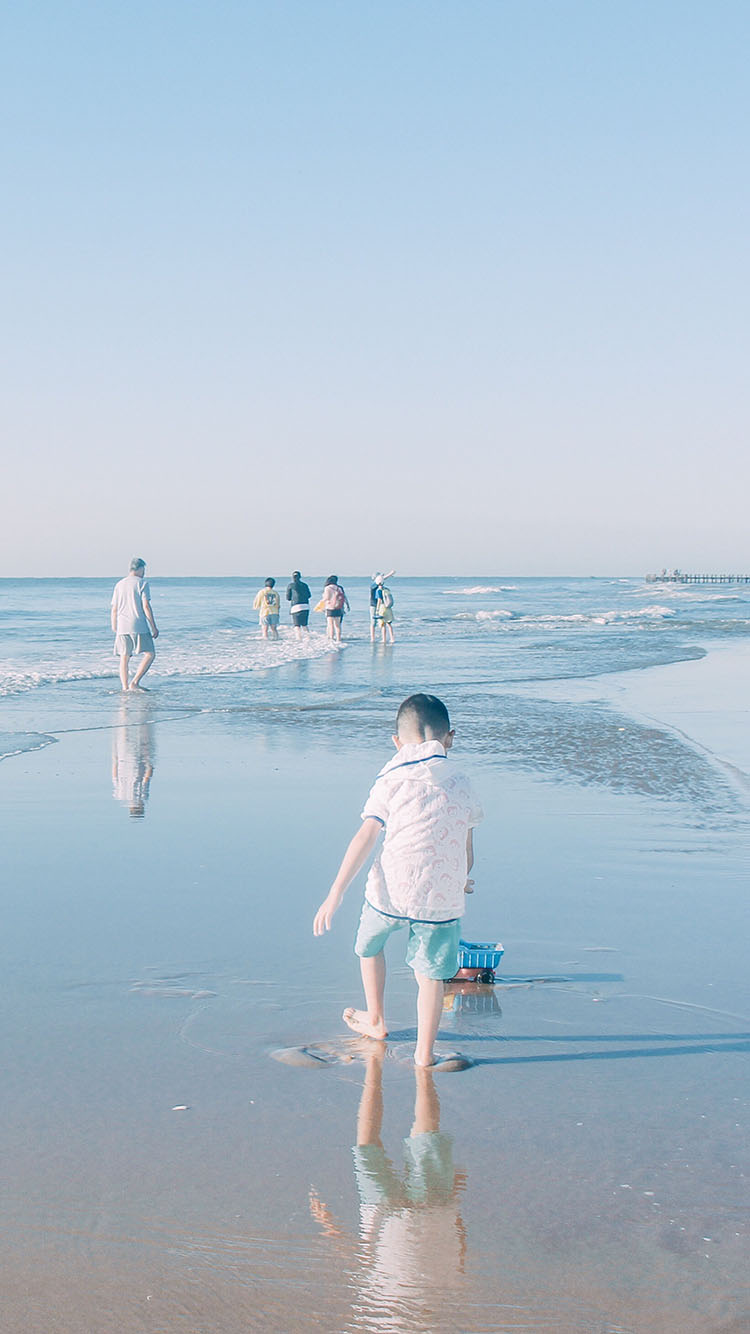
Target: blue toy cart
[(477, 961)]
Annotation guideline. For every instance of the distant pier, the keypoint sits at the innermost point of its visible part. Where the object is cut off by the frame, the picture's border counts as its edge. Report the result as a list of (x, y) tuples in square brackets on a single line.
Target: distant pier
[(677, 577)]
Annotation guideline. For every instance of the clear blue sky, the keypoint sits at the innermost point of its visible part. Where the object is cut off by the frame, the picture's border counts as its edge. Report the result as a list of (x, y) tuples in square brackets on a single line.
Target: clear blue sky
[(453, 287)]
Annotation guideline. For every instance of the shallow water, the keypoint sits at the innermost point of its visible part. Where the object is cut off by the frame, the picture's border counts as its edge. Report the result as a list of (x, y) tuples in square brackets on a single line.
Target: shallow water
[(58, 630), (162, 858)]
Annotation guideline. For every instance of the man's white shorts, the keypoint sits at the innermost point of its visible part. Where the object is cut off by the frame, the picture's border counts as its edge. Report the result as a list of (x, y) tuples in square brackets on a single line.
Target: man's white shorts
[(131, 644)]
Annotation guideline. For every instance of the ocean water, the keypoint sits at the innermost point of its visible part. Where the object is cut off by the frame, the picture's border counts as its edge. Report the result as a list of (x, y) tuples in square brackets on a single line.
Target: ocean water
[(491, 646)]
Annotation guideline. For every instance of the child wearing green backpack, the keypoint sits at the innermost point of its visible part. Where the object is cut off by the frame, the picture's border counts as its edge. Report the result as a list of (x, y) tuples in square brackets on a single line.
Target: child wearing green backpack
[(383, 609)]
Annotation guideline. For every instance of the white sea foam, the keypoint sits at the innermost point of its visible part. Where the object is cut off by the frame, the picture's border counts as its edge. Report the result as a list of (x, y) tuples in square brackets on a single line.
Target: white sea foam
[(499, 615), (20, 743), (238, 652), (626, 617), (569, 619), (223, 653), (15, 680), (559, 619), (480, 588)]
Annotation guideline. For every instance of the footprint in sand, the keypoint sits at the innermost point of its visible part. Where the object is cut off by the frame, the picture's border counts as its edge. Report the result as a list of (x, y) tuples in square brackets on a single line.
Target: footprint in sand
[(315, 1055), (450, 1062)]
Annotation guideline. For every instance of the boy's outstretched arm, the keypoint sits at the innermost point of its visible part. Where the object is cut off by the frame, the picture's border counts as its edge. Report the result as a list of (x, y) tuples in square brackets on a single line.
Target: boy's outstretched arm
[(354, 859)]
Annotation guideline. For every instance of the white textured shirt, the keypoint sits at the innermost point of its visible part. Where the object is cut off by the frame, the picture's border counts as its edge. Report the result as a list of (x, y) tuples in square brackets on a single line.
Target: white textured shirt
[(127, 601), (427, 807)]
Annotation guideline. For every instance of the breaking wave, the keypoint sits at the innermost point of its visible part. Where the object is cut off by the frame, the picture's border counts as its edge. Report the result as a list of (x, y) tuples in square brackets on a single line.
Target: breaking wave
[(566, 620), (499, 615), (478, 589), (224, 653)]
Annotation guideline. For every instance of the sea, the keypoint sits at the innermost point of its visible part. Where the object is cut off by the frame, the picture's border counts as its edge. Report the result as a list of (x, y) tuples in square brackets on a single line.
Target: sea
[(478, 641)]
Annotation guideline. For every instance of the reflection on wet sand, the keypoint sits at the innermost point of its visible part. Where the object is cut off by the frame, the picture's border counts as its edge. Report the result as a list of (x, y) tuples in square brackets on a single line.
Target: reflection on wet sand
[(465, 1000), (133, 753), (412, 1240)]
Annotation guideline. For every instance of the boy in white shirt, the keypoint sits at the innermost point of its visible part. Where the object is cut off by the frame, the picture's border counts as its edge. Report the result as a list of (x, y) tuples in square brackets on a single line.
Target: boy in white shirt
[(419, 878)]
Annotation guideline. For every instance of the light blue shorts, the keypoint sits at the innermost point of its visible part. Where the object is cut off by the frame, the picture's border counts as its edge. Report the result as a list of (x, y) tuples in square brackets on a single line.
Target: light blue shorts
[(428, 1176), (432, 947)]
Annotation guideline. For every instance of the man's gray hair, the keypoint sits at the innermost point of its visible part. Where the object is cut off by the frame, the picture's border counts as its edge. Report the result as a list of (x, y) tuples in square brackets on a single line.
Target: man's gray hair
[(137, 563)]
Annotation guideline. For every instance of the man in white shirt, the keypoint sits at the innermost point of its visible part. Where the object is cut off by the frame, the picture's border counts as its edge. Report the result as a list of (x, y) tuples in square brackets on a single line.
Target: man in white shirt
[(133, 623)]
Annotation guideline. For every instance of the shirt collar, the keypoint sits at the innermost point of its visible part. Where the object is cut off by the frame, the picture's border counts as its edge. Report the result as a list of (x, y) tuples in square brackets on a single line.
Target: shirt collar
[(413, 752)]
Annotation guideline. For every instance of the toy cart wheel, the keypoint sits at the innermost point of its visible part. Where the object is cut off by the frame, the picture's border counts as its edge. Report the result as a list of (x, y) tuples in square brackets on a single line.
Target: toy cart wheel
[(487, 975)]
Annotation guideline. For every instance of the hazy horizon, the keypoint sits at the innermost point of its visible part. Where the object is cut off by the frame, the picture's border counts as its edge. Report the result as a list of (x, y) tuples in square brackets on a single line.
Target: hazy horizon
[(343, 575)]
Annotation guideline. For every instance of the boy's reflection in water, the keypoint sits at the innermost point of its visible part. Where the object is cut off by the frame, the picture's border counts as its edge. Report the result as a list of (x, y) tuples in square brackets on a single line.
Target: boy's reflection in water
[(133, 754), (412, 1238)]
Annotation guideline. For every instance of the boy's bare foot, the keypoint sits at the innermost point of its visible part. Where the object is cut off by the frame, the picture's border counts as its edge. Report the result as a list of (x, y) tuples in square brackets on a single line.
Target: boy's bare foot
[(359, 1022)]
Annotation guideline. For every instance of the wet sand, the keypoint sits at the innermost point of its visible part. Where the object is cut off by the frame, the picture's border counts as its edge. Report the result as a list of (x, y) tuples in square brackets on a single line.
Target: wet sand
[(589, 1173), (705, 702)]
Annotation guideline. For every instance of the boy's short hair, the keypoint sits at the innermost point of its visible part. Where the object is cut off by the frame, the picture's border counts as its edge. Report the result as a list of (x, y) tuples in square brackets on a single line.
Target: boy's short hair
[(270, 583), (424, 714), (137, 564)]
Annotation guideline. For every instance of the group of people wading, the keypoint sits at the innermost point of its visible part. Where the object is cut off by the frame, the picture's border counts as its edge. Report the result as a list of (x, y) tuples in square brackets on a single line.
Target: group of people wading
[(135, 629), (333, 602)]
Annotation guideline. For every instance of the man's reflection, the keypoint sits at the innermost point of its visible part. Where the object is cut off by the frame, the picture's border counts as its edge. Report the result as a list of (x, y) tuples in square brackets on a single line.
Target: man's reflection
[(412, 1237), (133, 754)]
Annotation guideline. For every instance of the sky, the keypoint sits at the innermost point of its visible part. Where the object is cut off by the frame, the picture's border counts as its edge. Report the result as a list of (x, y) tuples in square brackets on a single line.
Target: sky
[(450, 286)]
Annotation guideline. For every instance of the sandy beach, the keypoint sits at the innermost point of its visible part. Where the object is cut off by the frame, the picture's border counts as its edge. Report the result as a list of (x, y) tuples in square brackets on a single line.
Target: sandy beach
[(164, 1173)]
